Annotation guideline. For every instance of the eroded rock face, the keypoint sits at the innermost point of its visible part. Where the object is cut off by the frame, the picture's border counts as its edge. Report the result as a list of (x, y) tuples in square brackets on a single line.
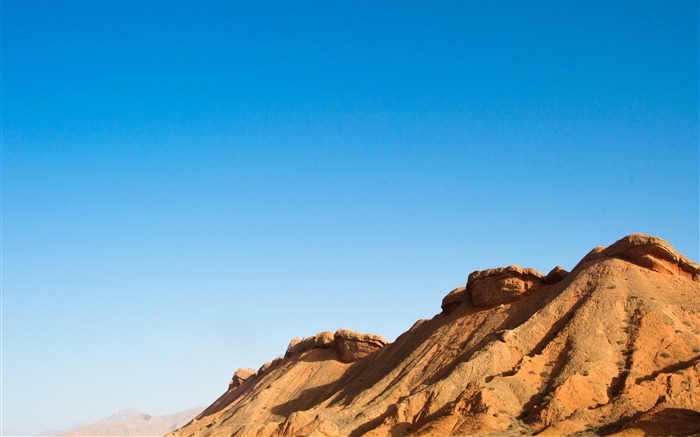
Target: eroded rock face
[(454, 299), (555, 275), (239, 377), (492, 287), (351, 346), (652, 253), (323, 340), (354, 346), (649, 252), (611, 346), (269, 365), (301, 423)]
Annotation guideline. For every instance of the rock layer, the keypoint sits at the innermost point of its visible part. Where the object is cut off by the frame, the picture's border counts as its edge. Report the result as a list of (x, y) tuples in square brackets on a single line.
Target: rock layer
[(649, 252), (454, 299), (488, 288), (354, 346), (325, 340), (611, 347), (350, 345)]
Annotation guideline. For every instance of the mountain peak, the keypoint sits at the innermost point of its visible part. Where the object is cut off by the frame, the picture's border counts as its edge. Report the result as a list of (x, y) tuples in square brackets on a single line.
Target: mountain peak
[(122, 415), (649, 252)]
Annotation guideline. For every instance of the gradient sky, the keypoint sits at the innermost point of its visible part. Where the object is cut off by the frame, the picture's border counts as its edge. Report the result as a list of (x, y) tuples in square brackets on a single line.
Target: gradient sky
[(188, 185)]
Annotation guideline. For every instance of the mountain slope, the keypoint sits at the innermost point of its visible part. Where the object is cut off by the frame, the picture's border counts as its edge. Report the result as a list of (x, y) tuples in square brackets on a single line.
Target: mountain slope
[(613, 346)]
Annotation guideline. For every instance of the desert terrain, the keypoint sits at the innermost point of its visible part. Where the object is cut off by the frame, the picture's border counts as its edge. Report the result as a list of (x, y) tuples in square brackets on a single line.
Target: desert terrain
[(610, 348)]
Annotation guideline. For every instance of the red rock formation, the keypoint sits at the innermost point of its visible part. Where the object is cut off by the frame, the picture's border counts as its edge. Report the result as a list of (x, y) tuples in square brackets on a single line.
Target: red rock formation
[(324, 340), (454, 299), (612, 346), (488, 288), (652, 253), (239, 377), (354, 346)]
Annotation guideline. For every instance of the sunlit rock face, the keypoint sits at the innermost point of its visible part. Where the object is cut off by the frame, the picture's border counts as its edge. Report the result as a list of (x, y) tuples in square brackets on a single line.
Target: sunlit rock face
[(611, 346)]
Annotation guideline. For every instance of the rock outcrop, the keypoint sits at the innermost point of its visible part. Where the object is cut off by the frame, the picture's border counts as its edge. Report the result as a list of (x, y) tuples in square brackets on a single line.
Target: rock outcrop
[(491, 287), (325, 340), (351, 346), (239, 377), (611, 347), (555, 275), (649, 252), (454, 299), (354, 346)]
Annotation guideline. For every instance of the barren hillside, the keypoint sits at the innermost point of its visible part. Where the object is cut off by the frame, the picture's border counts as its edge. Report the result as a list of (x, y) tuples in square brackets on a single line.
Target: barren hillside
[(611, 347)]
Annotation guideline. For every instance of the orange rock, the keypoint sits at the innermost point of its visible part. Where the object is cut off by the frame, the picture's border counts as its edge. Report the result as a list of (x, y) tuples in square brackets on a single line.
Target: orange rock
[(354, 346), (611, 347), (324, 340), (454, 299), (488, 288), (555, 275), (239, 377), (652, 253)]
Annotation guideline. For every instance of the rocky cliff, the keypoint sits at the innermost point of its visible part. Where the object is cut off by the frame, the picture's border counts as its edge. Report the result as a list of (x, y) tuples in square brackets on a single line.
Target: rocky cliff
[(612, 347)]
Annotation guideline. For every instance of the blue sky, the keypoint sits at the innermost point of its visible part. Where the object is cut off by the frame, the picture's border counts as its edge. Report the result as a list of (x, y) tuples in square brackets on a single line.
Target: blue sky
[(188, 185)]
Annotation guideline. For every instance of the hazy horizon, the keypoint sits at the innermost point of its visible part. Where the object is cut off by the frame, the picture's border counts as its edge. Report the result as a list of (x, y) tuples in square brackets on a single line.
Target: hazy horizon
[(187, 186)]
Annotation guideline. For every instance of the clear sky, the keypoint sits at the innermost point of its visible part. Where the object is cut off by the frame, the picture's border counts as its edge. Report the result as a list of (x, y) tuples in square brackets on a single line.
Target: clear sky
[(188, 185)]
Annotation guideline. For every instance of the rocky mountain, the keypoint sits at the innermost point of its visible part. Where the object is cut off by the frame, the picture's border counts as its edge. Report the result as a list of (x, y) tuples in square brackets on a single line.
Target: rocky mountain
[(612, 347), (132, 422)]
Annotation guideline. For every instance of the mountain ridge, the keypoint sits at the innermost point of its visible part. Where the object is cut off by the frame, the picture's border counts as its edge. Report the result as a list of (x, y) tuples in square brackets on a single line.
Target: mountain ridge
[(610, 347), (132, 422)]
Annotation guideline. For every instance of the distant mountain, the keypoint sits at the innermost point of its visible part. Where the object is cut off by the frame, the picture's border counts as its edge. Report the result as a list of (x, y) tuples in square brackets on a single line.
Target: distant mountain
[(611, 347), (56, 432), (122, 416), (49, 433), (132, 422)]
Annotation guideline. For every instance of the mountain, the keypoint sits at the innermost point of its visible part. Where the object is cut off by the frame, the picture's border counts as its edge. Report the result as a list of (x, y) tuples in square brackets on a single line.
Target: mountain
[(132, 422), (49, 433), (122, 416), (612, 347)]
